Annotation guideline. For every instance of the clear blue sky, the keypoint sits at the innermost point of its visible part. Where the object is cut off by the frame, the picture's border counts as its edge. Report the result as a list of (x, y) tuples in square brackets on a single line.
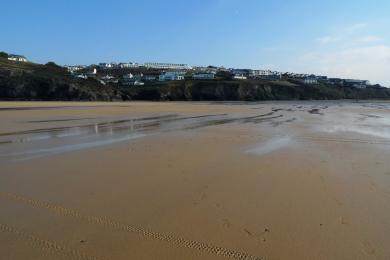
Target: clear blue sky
[(349, 38)]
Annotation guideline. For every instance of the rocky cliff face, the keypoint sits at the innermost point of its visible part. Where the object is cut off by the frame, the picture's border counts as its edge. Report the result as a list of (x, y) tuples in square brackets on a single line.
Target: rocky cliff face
[(28, 81)]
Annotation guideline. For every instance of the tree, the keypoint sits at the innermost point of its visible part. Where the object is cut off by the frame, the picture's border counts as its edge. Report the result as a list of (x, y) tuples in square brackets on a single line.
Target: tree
[(3, 54), (225, 75), (52, 64)]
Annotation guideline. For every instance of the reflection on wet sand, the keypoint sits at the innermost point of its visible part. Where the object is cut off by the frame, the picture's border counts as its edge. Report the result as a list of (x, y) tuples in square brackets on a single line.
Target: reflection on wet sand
[(108, 132), (100, 133), (270, 145), (220, 180)]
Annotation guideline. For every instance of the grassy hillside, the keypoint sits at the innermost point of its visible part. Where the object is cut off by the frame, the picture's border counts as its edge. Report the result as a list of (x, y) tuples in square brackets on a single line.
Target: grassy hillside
[(30, 81), (248, 90)]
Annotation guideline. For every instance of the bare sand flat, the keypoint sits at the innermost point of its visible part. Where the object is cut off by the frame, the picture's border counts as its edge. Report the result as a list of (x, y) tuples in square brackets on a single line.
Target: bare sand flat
[(142, 180)]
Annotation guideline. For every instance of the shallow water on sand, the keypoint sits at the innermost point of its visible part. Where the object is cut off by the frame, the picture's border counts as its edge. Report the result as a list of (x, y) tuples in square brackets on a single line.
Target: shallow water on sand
[(220, 180)]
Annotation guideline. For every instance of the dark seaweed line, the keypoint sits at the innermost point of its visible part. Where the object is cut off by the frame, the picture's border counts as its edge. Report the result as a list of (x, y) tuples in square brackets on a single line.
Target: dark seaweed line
[(103, 221), (46, 245)]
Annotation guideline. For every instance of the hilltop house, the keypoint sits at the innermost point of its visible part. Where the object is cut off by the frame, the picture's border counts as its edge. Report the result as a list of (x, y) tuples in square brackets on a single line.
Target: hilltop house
[(203, 76), (15, 57), (109, 79), (128, 65), (310, 80), (132, 80), (356, 83), (171, 75), (74, 68), (167, 66), (265, 74), (240, 72), (209, 69), (239, 76), (104, 65), (149, 77)]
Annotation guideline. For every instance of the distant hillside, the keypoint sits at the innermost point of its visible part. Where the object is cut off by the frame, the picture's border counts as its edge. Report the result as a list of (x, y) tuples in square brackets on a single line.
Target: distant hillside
[(30, 81), (248, 90)]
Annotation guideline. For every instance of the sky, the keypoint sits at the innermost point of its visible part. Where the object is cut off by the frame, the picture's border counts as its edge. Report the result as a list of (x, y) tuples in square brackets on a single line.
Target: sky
[(349, 39)]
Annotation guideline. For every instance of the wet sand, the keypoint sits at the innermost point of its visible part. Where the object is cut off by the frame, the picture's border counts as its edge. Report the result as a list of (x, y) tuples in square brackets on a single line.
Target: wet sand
[(271, 180)]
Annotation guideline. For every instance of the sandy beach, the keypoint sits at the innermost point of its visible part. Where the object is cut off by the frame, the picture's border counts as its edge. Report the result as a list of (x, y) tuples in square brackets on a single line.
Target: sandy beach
[(187, 180)]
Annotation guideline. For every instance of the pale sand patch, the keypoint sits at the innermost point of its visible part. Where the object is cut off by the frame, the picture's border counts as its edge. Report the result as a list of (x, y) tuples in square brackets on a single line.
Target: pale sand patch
[(270, 146)]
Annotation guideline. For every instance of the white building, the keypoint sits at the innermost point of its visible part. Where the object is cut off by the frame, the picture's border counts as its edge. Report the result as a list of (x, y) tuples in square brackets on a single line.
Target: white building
[(104, 65), (109, 79), (15, 57), (238, 76), (82, 76), (171, 75), (128, 76), (203, 76), (310, 80), (74, 68), (165, 66), (128, 65), (138, 83), (356, 83), (265, 74), (149, 77), (132, 83)]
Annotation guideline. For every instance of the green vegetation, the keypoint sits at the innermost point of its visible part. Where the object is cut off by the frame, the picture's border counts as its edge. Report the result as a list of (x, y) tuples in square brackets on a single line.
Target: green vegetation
[(30, 81), (248, 90)]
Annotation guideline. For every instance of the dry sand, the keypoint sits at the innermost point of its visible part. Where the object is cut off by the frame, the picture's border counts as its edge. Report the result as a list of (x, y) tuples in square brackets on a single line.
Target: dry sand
[(273, 180)]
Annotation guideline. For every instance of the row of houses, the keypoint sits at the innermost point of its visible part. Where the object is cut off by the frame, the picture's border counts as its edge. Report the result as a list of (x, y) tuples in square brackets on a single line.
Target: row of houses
[(256, 74), (148, 65), (139, 79), (173, 71), (314, 80)]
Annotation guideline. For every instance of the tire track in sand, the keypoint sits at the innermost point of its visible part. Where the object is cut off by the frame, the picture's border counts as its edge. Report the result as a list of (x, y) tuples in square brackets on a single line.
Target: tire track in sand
[(103, 221), (47, 245)]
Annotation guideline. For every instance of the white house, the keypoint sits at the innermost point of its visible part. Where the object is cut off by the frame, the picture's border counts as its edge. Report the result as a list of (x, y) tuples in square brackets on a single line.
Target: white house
[(171, 75), (311, 80), (149, 77), (203, 76), (128, 65), (74, 68), (356, 83), (239, 76), (82, 76), (15, 57), (104, 65), (109, 79), (165, 66), (265, 74)]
